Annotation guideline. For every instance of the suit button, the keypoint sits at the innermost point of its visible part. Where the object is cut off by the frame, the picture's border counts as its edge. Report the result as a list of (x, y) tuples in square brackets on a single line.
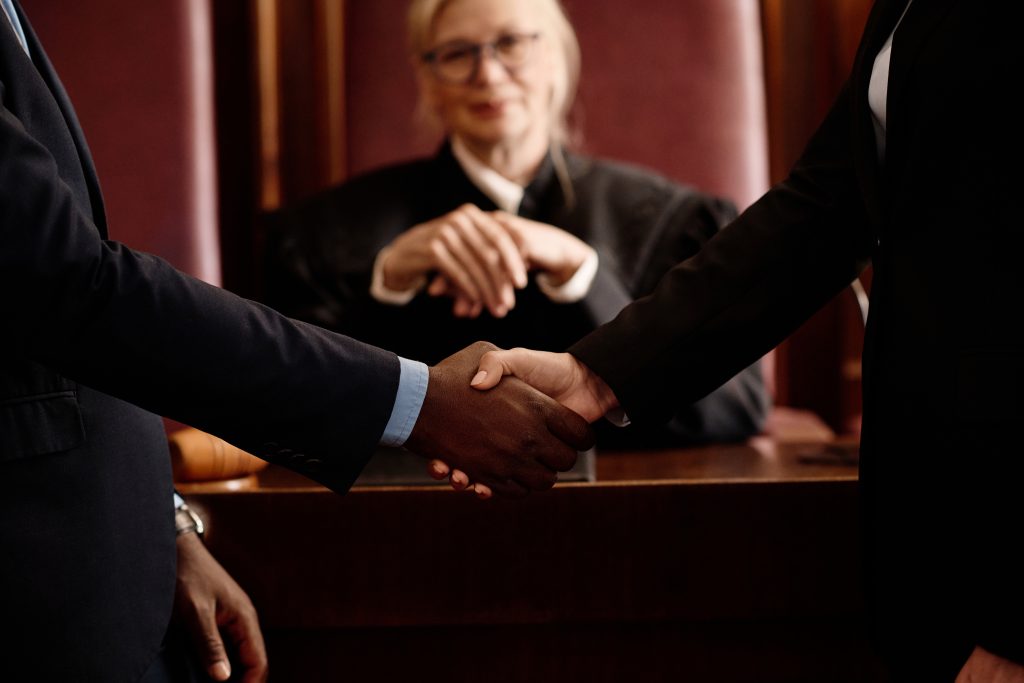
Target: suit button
[(269, 448), (313, 465)]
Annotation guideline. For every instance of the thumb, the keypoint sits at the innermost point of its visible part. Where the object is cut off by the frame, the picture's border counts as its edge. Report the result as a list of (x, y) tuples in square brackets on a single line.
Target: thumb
[(492, 368), (210, 646)]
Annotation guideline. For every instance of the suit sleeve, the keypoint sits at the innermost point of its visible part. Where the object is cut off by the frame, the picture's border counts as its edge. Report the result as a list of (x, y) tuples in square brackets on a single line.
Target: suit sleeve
[(745, 291), (130, 325), (737, 409)]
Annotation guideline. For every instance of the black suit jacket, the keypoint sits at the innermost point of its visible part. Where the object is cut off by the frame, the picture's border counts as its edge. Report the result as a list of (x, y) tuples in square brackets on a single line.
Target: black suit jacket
[(940, 221), (322, 253), (97, 340)]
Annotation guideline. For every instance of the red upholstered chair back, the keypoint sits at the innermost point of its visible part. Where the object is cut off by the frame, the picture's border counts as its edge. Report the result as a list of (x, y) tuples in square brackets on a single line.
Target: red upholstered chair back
[(140, 75), (675, 86)]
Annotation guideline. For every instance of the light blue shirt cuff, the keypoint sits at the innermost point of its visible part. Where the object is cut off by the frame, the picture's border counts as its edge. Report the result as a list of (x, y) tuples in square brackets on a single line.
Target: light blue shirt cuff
[(412, 389), (178, 501)]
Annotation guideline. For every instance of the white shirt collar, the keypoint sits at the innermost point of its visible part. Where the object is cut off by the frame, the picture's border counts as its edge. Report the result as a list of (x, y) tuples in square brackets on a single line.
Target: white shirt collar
[(506, 194)]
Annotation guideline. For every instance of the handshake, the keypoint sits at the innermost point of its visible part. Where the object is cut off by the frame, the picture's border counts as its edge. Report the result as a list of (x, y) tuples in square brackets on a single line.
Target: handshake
[(507, 421)]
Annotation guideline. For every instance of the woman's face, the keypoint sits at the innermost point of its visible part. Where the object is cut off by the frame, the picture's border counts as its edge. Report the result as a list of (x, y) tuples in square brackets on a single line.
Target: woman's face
[(497, 104)]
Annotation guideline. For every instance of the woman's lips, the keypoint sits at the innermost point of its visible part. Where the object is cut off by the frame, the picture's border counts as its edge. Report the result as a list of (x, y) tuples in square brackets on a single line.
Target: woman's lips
[(489, 109)]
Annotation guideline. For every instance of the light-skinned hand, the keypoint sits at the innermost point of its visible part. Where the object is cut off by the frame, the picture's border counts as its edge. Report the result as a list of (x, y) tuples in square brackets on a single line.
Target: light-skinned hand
[(470, 249), (544, 247)]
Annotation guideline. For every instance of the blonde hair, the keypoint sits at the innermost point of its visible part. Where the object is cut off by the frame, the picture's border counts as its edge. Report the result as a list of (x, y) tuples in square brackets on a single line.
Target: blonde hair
[(420, 23)]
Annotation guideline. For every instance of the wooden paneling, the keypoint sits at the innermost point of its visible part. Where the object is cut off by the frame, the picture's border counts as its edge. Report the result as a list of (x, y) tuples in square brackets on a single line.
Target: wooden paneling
[(809, 51), (237, 102), (728, 563), (281, 116)]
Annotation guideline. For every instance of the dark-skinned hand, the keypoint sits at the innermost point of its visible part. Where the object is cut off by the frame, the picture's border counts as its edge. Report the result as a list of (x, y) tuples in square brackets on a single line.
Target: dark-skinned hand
[(210, 606), (512, 438)]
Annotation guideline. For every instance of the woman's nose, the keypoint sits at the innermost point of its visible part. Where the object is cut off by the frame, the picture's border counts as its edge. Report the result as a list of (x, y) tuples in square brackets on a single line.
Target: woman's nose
[(490, 69)]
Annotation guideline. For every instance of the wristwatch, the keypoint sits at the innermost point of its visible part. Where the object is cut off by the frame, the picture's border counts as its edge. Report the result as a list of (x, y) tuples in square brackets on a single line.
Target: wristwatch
[(187, 521)]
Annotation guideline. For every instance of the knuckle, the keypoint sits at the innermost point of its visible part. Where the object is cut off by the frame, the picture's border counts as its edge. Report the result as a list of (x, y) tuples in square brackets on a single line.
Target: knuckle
[(538, 407), (528, 441), (248, 611), (486, 347), (213, 645)]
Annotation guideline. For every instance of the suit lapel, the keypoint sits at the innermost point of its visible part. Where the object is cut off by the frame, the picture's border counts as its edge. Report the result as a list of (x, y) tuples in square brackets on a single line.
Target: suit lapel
[(920, 22), (49, 76), (881, 21), (880, 24)]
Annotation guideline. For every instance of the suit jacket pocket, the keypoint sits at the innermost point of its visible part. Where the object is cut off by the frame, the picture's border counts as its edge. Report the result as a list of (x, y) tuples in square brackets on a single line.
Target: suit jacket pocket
[(40, 424)]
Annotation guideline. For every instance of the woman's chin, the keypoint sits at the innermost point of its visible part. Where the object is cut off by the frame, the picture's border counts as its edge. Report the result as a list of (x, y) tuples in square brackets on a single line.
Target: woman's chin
[(492, 132)]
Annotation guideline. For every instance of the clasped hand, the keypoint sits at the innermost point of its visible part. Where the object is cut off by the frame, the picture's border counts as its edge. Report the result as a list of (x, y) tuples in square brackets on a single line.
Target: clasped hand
[(479, 258), (557, 376), (512, 439)]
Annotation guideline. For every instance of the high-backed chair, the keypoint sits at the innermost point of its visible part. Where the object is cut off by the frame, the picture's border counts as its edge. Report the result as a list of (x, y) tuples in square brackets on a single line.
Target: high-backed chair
[(674, 86), (140, 75)]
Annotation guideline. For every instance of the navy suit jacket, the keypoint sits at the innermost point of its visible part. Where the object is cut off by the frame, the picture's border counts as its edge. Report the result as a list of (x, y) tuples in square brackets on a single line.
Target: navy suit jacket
[(940, 220), (97, 340)]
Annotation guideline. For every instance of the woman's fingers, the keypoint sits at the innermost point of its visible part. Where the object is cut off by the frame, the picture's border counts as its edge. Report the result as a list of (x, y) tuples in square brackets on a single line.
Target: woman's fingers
[(502, 243), (462, 241), (479, 251), (452, 268), (476, 231), (477, 258), (546, 247), (462, 305)]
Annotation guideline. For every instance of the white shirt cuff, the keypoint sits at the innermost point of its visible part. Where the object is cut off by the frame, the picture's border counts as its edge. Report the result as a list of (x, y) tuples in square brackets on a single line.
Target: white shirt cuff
[(389, 296), (576, 287)]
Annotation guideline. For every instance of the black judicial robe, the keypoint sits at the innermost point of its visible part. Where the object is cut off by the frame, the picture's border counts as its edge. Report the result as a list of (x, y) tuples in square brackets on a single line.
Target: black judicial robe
[(322, 251)]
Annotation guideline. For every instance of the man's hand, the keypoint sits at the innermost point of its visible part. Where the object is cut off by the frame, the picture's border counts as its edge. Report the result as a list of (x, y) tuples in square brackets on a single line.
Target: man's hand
[(558, 375), (207, 601), (512, 439), (984, 667)]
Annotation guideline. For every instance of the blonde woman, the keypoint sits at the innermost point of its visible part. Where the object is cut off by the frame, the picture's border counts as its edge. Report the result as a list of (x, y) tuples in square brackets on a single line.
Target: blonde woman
[(504, 234)]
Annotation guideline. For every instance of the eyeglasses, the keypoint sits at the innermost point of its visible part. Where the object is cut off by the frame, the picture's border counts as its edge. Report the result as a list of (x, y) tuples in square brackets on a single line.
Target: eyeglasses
[(458, 62)]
